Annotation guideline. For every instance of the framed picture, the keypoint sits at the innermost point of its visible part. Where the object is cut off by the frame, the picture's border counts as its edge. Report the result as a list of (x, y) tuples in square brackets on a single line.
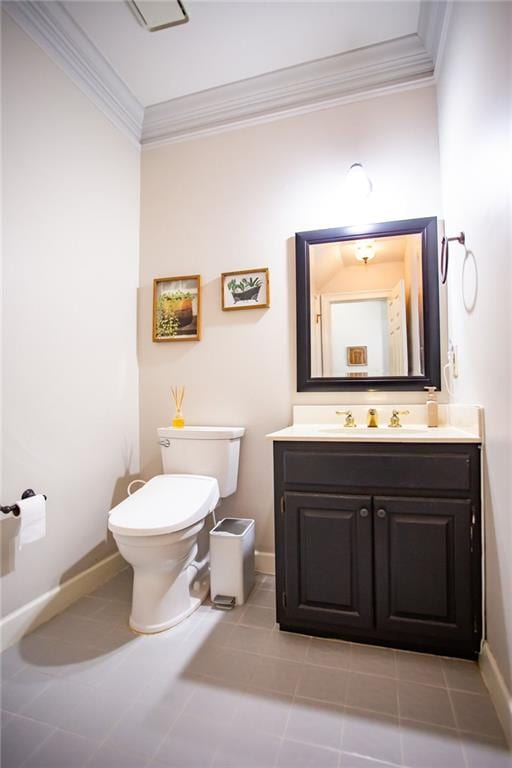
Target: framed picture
[(357, 355), (246, 289), (177, 308)]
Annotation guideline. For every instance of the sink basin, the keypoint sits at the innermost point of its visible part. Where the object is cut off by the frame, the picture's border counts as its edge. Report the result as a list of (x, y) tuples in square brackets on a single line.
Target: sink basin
[(412, 429)]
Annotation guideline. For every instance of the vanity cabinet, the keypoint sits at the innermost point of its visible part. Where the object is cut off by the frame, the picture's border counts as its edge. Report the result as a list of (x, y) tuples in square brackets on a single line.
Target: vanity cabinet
[(380, 543)]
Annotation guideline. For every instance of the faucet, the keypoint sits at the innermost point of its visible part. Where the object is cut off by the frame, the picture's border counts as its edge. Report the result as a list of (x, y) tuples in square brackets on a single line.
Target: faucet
[(372, 419), (394, 421), (349, 419)]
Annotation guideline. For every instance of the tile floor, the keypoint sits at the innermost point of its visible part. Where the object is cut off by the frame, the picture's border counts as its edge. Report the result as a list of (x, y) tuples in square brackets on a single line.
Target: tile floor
[(229, 690)]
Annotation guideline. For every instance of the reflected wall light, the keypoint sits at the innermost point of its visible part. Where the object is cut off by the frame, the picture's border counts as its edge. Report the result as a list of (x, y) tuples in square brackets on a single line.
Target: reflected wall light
[(358, 182)]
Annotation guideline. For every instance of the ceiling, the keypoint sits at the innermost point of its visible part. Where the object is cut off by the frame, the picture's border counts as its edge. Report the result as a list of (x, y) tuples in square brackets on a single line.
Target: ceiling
[(328, 258), (234, 63), (225, 42)]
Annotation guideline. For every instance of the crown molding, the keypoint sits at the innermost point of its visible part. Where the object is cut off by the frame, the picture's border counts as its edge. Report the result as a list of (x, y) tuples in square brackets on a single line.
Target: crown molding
[(56, 32), (398, 64), (297, 89), (431, 22)]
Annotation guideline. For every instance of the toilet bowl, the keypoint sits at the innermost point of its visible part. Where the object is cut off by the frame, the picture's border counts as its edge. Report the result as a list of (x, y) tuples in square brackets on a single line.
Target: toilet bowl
[(157, 528), (156, 531)]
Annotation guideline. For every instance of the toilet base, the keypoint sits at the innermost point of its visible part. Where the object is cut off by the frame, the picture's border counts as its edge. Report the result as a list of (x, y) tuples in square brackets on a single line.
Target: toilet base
[(199, 591)]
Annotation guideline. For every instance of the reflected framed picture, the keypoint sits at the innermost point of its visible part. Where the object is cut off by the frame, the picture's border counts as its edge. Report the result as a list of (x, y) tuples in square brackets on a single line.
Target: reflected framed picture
[(357, 355), (177, 308), (245, 289)]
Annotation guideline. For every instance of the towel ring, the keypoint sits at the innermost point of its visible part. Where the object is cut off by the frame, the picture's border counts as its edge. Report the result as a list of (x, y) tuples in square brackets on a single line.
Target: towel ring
[(461, 238)]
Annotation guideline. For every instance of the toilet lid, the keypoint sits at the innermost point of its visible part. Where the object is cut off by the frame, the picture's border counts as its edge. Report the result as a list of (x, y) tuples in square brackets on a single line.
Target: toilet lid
[(165, 504)]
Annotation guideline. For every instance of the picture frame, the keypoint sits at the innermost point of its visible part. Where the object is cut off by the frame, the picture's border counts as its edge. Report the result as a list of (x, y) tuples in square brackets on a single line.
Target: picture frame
[(177, 308), (245, 289), (357, 355)]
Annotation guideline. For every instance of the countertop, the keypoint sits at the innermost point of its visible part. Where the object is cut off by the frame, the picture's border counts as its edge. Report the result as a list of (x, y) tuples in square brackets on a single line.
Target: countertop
[(330, 433)]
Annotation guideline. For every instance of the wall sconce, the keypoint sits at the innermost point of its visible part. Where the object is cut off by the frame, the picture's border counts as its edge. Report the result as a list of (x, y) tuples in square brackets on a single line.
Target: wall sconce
[(358, 182), (365, 250)]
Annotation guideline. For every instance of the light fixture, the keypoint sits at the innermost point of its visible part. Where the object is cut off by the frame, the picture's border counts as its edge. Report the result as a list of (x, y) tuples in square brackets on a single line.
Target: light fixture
[(365, 250), (359, 183)]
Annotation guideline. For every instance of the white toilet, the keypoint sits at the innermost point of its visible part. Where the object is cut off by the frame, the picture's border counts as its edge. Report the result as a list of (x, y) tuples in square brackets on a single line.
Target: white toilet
[(160, 529)]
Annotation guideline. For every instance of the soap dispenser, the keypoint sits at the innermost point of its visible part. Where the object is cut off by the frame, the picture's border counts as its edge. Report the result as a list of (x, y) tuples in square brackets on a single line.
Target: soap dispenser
[(432, 409)]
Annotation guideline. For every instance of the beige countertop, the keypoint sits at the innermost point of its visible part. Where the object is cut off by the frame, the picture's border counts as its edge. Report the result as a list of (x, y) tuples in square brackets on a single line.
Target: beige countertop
[(329, 433), (458, 423)]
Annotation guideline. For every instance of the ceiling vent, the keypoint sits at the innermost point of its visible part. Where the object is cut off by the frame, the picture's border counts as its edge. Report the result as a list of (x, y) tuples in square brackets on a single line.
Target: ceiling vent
[(155, 15)]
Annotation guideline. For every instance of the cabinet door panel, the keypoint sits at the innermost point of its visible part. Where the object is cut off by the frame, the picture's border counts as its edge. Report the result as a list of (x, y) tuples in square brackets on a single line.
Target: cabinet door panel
[(328, 560), (422, 566)]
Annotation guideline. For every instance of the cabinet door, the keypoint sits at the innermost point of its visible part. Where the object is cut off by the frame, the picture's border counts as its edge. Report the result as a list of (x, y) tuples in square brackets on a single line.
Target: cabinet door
[(328, 559), (422, 567)]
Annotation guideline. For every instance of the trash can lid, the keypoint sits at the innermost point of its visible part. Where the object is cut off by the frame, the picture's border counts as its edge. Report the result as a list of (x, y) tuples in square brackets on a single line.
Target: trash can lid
[(233, 526)]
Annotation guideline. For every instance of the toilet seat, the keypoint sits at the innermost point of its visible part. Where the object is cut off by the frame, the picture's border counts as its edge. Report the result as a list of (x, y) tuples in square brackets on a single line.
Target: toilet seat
[(165, 504)]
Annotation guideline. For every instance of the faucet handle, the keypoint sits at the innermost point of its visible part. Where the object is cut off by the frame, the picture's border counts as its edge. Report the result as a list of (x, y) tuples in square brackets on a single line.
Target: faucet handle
[(349, 419), (395, 418)]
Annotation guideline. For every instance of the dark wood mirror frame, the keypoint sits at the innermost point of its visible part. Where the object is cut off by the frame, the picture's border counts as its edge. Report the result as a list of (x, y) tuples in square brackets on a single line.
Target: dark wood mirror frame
[(427, 227)]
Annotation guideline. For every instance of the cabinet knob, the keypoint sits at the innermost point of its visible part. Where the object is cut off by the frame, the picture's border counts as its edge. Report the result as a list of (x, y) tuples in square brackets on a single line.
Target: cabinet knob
[(363, 512), (381, 513)]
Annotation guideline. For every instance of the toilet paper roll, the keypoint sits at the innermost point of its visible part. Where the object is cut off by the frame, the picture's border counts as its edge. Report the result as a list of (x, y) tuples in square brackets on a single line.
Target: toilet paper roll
[(32, 519)]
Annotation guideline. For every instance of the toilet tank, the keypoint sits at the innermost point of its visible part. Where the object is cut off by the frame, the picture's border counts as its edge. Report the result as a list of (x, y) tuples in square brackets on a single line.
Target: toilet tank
[(212, 451)]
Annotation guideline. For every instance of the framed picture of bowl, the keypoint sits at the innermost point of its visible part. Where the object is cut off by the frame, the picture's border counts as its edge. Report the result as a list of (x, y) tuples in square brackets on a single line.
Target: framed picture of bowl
[(245, 289), (177, 308)]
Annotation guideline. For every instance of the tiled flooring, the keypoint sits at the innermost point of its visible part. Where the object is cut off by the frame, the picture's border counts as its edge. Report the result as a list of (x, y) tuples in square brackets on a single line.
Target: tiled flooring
[(228, 690)]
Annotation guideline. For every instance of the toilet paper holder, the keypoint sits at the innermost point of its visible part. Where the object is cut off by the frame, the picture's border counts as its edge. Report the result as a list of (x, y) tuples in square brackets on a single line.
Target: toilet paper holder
[(13, 509)]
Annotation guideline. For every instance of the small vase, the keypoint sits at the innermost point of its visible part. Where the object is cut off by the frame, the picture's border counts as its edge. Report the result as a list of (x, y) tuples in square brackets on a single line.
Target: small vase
[(178, 420)]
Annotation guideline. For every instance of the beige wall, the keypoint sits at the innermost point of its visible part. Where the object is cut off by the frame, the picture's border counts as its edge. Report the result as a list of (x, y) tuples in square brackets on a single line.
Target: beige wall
[(70, 213), (474, 97), (234, 201)]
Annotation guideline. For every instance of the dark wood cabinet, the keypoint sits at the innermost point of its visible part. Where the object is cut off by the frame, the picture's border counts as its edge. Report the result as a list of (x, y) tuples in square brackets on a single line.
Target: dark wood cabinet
[(423, 562), (380, 543), (335, 531)]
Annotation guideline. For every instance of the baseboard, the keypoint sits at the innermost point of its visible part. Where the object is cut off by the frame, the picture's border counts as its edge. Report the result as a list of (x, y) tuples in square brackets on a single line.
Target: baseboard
[(31, 615), (265, 562), (500, 695)]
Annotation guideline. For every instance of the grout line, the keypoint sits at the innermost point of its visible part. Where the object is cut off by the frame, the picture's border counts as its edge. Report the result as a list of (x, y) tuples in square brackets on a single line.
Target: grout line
[(288, 717), (455, 719), (320, 746), (454, 712), (36, 749), (400, 734), (375, 759)]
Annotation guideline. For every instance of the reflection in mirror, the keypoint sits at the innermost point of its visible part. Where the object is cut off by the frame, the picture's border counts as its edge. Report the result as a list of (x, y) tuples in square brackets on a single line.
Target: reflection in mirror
[(367, 307)]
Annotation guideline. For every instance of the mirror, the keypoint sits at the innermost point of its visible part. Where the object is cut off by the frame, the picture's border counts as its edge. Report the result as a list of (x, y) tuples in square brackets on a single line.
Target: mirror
[(367, 307)]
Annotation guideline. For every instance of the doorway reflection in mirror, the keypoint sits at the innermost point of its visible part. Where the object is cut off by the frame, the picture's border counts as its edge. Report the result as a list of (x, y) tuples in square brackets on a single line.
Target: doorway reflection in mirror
[(367, 294)]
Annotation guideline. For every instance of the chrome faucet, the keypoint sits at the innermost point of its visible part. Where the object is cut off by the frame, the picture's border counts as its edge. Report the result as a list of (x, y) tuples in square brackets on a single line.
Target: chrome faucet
[(349, 419), (394, 421), (372, 419)]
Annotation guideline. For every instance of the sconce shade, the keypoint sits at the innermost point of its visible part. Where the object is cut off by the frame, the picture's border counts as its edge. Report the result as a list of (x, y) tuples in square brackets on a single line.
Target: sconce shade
[(359, 183)]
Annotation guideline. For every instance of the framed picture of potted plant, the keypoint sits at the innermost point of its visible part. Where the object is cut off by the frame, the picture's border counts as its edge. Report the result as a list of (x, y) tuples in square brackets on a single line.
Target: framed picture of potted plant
[(177, 308), (245, 289)]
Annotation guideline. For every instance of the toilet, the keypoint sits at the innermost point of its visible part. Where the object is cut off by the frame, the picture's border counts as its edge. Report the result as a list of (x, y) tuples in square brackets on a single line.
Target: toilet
[(160, 528)]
